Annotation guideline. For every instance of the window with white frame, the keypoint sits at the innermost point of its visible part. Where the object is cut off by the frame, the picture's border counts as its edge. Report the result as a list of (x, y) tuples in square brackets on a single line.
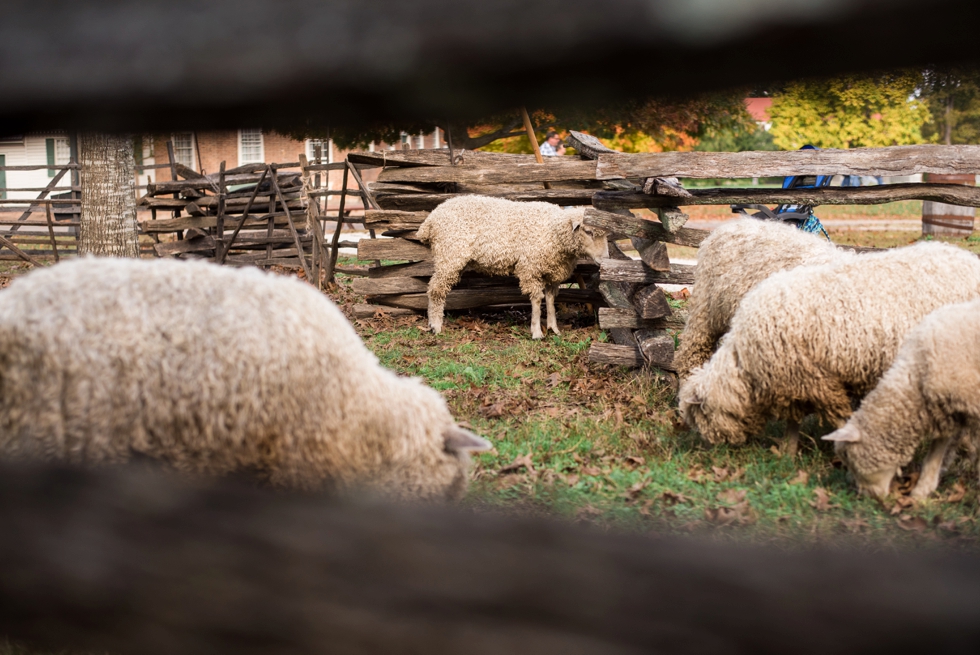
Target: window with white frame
[(326, 150), (184, 149), (250, 147), (406, 139), (58, 151), (421, 141)]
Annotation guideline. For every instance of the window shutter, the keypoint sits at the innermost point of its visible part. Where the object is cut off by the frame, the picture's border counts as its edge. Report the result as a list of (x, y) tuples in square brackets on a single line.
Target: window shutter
[(49, 145)]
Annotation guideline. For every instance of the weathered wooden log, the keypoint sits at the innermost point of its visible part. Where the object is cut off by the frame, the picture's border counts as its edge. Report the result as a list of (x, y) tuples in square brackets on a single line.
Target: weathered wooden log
[(390, 285), (366, 310), (616, 355), (557, 169), (587, 146), (657, 348), (635, 226), (373, 249), (171, 248), (289, 180), (428, 202), (672, 218), (436, 157), (386, 218), (652, 253), (614, 317), (471, 298), (635, 271), (165, 225), (893, 160), (869, 195), (665, 187), (617, 294), (651, 302)]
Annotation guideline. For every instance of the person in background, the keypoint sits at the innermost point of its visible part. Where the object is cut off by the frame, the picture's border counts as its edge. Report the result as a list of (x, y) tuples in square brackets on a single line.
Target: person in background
[(552, 146)]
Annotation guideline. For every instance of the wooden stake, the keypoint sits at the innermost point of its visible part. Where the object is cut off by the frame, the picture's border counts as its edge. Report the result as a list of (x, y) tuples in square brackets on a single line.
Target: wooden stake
[(533, 139), (238, 228), (292, 228), (219, 229), (54, 245), (334, 249)]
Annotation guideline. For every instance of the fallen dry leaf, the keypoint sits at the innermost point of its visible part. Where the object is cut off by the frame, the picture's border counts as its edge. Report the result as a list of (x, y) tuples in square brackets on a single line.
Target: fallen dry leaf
[(633, 459), (802, 477), (854, 525), (682, 294), (957, 494), (822, 502), (554, 379), (696, 474), (904, 485), (732, 496), (635, 490), (495, 410), (590, 470), (723, 474), (571, 479), (524, 461), (901, 503), (912, 523)]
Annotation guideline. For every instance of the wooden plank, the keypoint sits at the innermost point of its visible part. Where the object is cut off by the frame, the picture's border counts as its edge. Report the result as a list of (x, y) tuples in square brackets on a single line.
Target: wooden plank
[(614, 317), (414, 269), (952, 194), (367, 311), (369, 249), (390, 285), (635, 271), (566, 168), (615, 354), (636, 226), (414, 202), (375, 217), (197, 244), (894, 160), (471, 298), (433, 157), (164, 225)]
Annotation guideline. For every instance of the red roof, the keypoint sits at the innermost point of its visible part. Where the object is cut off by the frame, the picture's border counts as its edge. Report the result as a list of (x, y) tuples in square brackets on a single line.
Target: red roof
[(759, 108)]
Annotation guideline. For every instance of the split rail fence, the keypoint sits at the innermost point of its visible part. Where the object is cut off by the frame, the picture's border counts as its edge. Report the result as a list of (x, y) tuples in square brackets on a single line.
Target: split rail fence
[(632, 306)]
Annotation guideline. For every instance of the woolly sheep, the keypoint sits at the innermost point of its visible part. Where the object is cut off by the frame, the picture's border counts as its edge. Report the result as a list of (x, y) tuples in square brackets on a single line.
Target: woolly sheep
[(213, 370), (931, 391), (536, 241), (731, 261), (814, 338)]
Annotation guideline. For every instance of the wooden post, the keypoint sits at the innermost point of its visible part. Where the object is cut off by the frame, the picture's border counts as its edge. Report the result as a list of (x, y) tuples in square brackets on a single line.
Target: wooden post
[(173, 175), (313, 219), (534, 140), (334, 247), (292, 227), (54, 245), (219, 228)]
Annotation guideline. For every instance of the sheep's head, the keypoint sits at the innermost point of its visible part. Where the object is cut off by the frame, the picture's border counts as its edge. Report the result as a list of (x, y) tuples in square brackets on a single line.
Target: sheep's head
[(872, 476), (715, 400), (590, 240)]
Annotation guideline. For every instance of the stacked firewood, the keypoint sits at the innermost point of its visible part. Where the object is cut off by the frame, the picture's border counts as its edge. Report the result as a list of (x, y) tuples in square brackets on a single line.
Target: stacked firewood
[(254, 214)]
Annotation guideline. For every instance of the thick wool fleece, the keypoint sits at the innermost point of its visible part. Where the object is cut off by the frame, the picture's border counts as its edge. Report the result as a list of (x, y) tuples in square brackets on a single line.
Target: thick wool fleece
[(731, 261), (931, 391), (814, 338), (536, 241), (212, 370)]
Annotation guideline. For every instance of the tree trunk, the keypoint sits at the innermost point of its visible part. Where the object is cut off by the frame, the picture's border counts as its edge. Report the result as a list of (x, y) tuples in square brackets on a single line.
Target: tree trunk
[(108, 225)]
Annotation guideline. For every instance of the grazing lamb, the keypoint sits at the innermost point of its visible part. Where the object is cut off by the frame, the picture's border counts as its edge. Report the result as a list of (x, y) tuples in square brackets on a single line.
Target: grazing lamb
[(536, 241), (815, 338), (733, 259), (213, 370), (931, 391)]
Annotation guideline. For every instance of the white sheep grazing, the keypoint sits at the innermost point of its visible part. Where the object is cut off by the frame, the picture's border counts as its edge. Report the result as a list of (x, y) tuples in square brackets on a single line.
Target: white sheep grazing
[(931, 391), (213, 370), (731, 261), (536, 241), (814, 338)]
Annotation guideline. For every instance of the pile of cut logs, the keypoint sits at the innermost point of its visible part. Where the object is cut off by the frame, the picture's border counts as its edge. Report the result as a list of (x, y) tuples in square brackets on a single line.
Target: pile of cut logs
[(254, 214)]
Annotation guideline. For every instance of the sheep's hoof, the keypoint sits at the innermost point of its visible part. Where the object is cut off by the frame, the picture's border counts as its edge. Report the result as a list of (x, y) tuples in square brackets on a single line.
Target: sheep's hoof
[(537, 337), (555, 330), (435, 330)]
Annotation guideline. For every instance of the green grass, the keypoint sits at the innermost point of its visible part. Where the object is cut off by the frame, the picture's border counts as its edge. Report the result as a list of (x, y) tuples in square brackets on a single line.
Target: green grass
[(591, 443)]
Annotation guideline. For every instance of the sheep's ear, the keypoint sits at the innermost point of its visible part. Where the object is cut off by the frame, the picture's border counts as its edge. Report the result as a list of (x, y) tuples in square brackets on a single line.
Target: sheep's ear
[(576, 223), (848, 433), (458, 440)]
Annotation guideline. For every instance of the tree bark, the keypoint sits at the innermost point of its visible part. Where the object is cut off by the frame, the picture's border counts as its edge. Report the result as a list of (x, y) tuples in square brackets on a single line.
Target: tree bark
[(108, 225)]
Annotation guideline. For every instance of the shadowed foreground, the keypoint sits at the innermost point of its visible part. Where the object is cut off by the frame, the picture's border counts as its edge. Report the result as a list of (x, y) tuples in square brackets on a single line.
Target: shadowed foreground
[(133, 561)]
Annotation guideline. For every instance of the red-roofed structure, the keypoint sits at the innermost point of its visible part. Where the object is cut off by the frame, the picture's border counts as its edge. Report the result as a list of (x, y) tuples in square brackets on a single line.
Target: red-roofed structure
[(758, 109)]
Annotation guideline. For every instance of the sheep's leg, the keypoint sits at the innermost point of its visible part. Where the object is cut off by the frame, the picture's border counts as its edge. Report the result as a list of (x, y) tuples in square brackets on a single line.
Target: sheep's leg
[(931, 468), (549, 297), (537, 295), (439, 285), (791, 439)]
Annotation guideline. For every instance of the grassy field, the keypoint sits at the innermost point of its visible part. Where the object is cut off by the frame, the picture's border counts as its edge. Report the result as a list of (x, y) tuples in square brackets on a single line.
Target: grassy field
[(605, 446)]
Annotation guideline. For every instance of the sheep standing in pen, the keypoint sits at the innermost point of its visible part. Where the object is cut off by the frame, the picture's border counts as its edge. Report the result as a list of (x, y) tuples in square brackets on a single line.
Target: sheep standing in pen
[(731, 261), (536, 241), (814, 338), (931, 391), (213, 370)]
